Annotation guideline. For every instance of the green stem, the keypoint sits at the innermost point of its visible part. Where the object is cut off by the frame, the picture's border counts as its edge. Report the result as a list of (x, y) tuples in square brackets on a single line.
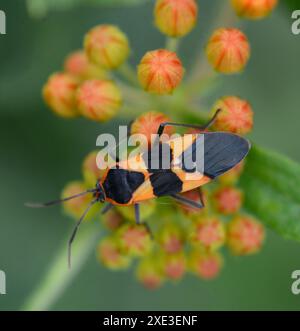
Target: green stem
[(202, 86), (172, 44), (226, 17), (59, 276), (128, 73)]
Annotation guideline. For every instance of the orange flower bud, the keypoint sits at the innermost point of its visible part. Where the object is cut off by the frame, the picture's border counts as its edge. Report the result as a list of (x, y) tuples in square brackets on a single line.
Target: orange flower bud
[(59, 94), (208, 232), (112, 220), (231, 177), (90, 170), (160, 71), (228, 200), (245, 235), (78, 65), (149, 273), (110, 255), (148, 124), (170, 237), (228, 50), (174, 266), (236, 115), (206, 265), (107, 46), (98, 100), (135, 240), (253, 9), (76, 207), (175, 18)]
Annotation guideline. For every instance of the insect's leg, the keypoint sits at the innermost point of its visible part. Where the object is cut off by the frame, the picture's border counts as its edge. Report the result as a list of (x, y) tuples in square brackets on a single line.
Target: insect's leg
[(137, 213), (138, 219), (106, 208), (192, 126), (187, 202), (201, 197), (75, 230), (148, 229)]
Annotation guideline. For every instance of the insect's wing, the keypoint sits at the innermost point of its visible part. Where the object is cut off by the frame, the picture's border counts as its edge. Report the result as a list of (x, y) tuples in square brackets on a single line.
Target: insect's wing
[(221, 151)]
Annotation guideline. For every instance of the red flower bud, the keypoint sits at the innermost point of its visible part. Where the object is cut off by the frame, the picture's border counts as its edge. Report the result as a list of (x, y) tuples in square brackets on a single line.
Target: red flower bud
[(206, 265), (112, 220), (170, 237), (78, 65), (228, 50), (90, 170), (174, 266), (110, 255), (107, 46), (245, 235), (148, 124), (160, 71), (253, 9), (175, 18), (98, 100), (135, 239), (149, 273), (236, 115), (59, 94), (228, 200), (208, 232)]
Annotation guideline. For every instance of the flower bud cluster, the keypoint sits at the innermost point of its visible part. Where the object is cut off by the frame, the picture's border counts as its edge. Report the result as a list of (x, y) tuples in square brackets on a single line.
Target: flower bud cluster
[(84, 87)]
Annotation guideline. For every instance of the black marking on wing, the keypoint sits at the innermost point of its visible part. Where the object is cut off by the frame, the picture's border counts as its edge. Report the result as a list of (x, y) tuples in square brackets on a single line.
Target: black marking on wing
[(120, 184), (222, 151), (158, 158), (165, 183)]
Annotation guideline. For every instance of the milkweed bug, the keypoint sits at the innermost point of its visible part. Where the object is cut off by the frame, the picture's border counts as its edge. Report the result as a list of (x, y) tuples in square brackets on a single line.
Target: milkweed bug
[(121, 185)]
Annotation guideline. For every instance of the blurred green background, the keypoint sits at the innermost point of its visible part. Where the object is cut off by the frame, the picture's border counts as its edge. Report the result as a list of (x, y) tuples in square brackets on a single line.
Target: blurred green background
[(41, 152)]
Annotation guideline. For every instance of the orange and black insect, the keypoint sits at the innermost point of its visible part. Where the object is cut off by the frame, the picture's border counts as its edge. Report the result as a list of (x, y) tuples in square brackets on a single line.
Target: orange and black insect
[(121, 185)]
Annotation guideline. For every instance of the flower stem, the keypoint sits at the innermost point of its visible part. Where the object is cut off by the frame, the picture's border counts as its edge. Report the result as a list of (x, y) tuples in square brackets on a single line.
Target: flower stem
[(172, 44), (59, 276), (127, 72)]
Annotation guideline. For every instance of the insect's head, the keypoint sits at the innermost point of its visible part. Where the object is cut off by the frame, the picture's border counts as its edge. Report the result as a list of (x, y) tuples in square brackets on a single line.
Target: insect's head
[(99, 194)]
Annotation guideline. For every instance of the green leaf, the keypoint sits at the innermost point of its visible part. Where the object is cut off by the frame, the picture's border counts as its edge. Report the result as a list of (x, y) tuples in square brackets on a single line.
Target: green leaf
[(40, 8), (271, 183)]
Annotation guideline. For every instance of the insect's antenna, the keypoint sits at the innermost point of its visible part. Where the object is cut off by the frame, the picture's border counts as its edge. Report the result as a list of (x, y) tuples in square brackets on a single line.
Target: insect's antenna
[(207, 125), (54, 202), (75, 230)]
